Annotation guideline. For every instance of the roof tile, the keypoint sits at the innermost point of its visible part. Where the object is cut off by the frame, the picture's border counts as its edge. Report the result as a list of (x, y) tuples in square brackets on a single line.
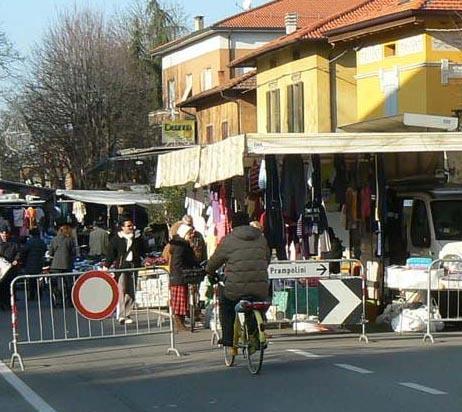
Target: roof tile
[(272, 14), (362, 11)]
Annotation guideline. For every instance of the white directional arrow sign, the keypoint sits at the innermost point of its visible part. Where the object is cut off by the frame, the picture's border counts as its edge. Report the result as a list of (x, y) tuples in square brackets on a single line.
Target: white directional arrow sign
[(340, 301), (298, 270)]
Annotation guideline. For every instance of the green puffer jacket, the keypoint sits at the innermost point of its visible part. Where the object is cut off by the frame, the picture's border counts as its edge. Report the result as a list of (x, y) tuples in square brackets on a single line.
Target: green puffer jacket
[(246, 256)]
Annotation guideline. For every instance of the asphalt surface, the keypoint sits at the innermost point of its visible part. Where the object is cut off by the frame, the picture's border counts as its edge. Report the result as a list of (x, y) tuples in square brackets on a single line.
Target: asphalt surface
[(314, 373)]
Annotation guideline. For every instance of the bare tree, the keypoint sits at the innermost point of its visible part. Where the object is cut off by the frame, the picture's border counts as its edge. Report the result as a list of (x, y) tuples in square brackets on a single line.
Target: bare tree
[(148, 24), (8, 56), (90, 90)]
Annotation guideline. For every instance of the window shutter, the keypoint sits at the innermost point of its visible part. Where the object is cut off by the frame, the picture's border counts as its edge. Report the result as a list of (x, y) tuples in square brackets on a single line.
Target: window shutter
[(290, 108), (268, 112), (300, 108), (277, 117)]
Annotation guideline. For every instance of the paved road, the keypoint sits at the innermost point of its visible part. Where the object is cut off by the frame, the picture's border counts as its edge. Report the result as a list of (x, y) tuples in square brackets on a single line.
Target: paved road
[(300, 374)]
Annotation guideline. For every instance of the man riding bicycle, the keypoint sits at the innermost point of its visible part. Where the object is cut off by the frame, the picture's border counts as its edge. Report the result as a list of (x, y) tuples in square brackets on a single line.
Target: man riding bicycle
[(246, 257)]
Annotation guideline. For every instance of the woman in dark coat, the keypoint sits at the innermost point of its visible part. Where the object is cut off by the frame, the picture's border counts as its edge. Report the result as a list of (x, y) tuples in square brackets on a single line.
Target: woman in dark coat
[(33, 259), (9, 250), (181, 259)]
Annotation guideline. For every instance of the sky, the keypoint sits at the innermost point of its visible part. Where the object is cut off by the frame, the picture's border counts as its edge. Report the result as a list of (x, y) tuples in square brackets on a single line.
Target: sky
[(24, 21)]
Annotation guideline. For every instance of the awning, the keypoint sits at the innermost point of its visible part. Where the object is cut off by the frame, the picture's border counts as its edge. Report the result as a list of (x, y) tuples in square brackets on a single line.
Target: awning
[(111, 198), (178, 168), (330, 143), (406, 122), (222, 160), (212, 163)]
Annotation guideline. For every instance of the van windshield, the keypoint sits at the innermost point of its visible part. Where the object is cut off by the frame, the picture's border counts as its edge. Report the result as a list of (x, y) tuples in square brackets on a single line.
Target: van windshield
[(447, 219)]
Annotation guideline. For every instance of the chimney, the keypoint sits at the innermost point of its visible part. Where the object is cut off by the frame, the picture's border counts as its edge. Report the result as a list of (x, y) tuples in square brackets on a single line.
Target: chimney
[(291, 22), (198, 23)]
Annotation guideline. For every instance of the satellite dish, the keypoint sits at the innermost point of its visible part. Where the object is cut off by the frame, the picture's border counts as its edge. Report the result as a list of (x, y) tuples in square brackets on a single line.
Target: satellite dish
[(247, 4)]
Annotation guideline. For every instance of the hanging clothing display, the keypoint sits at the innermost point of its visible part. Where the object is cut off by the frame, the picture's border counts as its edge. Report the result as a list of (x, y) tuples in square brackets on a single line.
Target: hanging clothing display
[(30, 218), (253, 177), (312, 228), (195, 208), (351, 208), (79, 211), (215, 205), (366, 194), (273, 221), (262, 176), (340, 181), (18, 217), (293, 186), (223, 226)]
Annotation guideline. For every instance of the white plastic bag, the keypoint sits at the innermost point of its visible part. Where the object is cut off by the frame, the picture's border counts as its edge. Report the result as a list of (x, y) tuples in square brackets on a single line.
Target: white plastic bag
[(408, 320), (415, 320)]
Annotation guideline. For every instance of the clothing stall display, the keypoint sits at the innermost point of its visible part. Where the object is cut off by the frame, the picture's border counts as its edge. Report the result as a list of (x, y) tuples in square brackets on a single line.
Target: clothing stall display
[(273, 223), (293, 186), (79, 211)]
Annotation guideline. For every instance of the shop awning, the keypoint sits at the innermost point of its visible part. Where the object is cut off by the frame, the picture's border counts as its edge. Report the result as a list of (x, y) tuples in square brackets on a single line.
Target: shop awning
[(405, 122), (111, 198), (178, 168), (329, 143), (212, 163), (222, 160)]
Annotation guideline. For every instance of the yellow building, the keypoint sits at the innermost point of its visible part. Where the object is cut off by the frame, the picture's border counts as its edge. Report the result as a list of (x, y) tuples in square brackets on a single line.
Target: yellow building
[(380, 58), (415, 66), (303, 86)]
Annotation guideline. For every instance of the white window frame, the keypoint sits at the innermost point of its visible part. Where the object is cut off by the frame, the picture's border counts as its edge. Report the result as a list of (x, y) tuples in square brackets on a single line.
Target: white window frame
[(207, 79), (187, 87), (171, 94)]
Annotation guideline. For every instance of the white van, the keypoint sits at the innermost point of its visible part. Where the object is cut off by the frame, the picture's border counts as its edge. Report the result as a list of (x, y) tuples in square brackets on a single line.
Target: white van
[(431, 218)]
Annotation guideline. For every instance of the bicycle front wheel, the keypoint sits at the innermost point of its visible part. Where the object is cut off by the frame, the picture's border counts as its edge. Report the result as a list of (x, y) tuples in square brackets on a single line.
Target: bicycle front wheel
[(254, 349)]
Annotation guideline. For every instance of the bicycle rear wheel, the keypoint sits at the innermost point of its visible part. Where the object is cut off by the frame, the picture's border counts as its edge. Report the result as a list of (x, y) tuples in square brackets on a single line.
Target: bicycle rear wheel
[(254, 350), (229, 355)]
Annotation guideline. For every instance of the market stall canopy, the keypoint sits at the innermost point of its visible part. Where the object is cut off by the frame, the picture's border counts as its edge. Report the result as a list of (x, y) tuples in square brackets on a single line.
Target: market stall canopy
[(24, 190), (212, 163), (330, 143), (222, 160), (178, 168), (111, 198)]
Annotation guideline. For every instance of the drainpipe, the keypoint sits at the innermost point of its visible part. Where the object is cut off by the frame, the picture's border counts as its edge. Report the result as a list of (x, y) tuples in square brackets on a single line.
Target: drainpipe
[(231, 55)]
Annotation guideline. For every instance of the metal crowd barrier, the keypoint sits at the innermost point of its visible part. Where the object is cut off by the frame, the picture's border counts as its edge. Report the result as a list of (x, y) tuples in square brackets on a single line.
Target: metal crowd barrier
[(293, 282), (444, 292), (41, 311)]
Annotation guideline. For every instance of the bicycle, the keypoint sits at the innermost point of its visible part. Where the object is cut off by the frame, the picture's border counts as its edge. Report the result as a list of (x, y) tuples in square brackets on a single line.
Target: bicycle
[(193, 277), (249, 335)]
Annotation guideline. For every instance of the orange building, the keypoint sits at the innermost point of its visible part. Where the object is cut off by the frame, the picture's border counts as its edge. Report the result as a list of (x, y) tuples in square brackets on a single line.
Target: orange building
[(199, 62)]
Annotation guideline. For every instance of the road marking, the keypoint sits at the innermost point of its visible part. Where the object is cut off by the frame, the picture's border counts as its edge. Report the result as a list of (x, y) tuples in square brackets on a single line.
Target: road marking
[(422, 388), (352, 368), (27, 393), (303, 353)]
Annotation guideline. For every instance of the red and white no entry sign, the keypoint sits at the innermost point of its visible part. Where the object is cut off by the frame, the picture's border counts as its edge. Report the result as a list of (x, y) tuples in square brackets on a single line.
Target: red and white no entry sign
[(95, 295)]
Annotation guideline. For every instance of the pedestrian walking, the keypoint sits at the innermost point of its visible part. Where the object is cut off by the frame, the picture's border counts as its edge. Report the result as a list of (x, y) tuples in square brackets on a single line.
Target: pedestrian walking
[(9, 250), (33, 259), (126, 250), (181, 259), (196, 240), (98, 241), (62, 249)]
